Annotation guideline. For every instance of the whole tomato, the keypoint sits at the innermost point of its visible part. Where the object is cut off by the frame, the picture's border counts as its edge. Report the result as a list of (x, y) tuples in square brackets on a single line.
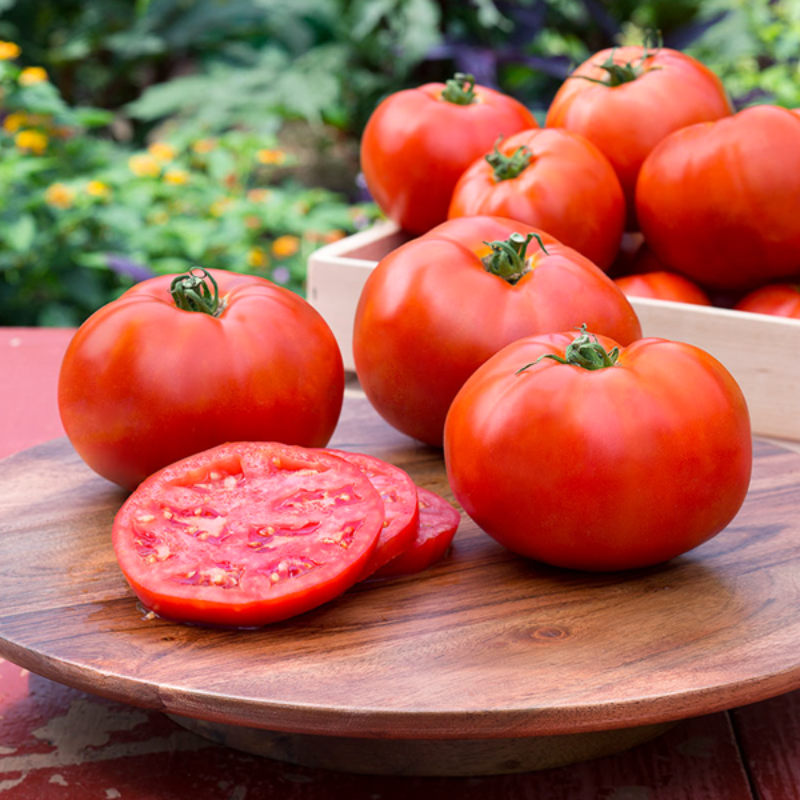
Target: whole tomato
[(663, 285), (556, 181), (179, 364), (718, 202), (627, 99), (436, 308), (418, 142), (777, 299), (579, 453)]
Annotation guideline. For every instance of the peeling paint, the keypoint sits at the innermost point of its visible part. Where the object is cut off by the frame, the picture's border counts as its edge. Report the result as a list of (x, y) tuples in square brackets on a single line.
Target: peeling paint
[(11, 783), (60, 780), (112, 794), (7, 751)]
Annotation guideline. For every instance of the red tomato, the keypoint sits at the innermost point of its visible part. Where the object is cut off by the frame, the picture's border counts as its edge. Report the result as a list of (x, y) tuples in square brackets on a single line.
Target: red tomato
[(626, 100), (613, 460), (718, 202), (431, 313), (418, 142), (401, 509), (438, 523), (556, 181), (246, 534), (144, 382), (779, 299), (663, 286)]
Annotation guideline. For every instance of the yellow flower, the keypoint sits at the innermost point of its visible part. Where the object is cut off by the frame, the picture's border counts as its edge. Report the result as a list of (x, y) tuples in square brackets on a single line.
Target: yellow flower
[(252, 221), (31, 75), (32, 141), (177, 177), (271, 156), (285, 246), (257, 257), (59, 196), (203, 146), (218, 207), (14, 121), (8, 50), (162, 151), (258, 195), (97, 189), (144, 166)]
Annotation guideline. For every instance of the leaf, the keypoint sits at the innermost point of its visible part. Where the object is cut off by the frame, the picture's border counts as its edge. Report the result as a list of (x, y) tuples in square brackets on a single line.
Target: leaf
[(93, 117), (20, 234)]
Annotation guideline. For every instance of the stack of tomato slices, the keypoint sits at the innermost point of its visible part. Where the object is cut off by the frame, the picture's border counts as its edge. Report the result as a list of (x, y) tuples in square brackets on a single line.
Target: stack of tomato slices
[(250, 533)]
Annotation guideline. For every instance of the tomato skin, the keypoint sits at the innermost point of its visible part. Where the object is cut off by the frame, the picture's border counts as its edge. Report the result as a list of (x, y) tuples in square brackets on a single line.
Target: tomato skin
[(717, 202), (778, 299), (144, 383), (569, 190), (627, 121), (416, 145), (430, 314), (605, 469), (663, 285), (225, 565)]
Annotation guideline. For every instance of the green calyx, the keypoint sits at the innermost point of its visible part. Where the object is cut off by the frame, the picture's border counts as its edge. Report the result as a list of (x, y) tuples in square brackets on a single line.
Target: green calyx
[(509, 259), (191, 292), (460, 89), (617, 74), (584, 351), (508, 167)]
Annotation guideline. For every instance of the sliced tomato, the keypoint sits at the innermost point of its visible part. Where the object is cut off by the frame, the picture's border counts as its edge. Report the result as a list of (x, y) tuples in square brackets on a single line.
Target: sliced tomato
[(401, 508), (438, 522), (248, 533)]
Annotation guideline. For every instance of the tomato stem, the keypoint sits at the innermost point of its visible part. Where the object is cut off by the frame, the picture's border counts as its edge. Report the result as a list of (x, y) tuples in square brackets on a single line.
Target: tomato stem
[(460, 89), (191, 292), (509, 259), (617, 74), (584, 351), (508, 167)]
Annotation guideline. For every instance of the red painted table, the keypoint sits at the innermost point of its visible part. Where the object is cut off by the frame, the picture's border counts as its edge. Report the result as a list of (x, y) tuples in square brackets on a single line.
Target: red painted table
[(56, 742)]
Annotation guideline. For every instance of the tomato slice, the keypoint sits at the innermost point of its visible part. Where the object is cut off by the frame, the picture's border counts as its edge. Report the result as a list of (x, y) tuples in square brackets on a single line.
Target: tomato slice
[(401, 513), (438, 522), (248, 533)]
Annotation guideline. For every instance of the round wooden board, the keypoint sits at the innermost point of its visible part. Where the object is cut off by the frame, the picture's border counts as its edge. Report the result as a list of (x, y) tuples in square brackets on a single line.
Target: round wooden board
[(484, 645)]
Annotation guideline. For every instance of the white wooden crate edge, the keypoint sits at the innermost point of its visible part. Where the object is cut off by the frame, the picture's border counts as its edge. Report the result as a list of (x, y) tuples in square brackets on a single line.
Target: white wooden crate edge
[(762, 352)]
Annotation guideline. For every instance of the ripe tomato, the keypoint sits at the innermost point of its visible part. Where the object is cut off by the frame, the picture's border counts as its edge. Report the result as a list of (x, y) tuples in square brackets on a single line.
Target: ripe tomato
[(613, 459), (663, 285), (438, 523), (556, 181), (418, 142), (247, 533), (401, 509), (778, 299), (436, 308), (718, 202), (144, 382), (626, 100)]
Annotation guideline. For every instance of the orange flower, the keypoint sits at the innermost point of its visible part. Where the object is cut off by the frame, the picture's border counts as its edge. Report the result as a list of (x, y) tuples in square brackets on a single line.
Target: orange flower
[(31, 141), (162, 151), (257, 257), (204, 146), (285, 246), (271, 156), (97, 189), (144, 166), (31, 75), (59, 196), (177, 177), (333, 236), (258, 195), (218, 207), (8, 50), (14, 121)]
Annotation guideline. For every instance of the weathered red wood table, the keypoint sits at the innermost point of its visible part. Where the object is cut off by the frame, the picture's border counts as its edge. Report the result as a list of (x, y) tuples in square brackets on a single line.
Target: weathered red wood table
[(61, 743)]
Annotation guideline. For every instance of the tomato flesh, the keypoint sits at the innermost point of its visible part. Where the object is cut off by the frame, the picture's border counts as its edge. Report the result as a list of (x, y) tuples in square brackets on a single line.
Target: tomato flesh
[(246, 534), (438, 522), (401, 508)]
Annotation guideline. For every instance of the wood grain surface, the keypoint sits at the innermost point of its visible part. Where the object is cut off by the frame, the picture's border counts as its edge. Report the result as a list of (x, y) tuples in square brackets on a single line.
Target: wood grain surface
[(484, 645)]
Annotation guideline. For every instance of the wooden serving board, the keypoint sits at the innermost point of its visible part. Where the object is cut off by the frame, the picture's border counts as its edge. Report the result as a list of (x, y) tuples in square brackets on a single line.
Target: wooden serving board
[(483, 646)]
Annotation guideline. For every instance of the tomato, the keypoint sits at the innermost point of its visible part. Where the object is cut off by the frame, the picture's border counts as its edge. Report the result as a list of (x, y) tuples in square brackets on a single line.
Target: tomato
[(718, 202), (418, 142), (438, 523), (247, 533), (401, 509), (627, 99), (778, 299), (556, 181), (619, 457), (663, 285), (432, 312), (145, 382)]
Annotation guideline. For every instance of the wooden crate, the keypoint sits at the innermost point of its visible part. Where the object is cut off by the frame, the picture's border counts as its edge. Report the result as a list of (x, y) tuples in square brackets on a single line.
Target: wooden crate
[(762, 352)]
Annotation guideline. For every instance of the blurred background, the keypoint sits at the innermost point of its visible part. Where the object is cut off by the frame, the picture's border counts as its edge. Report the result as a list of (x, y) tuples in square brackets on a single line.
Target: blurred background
[(142, 137)]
